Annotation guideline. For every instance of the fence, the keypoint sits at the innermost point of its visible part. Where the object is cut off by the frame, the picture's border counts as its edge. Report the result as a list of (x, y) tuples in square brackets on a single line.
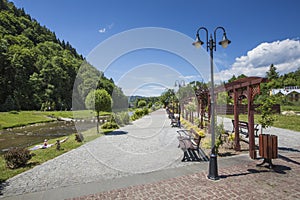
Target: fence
[(242, 109)]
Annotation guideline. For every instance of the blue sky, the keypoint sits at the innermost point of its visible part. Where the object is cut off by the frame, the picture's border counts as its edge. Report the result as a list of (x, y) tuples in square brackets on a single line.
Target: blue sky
[(262, 32)]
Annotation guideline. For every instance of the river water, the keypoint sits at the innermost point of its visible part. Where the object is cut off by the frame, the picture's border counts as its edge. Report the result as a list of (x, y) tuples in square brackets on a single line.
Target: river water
[(34, 134)]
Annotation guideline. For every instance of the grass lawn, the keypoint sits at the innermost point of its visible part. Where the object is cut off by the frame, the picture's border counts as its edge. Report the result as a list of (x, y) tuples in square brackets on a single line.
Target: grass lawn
[(288, 108), (16, 119), (43, 155), (291, 122)]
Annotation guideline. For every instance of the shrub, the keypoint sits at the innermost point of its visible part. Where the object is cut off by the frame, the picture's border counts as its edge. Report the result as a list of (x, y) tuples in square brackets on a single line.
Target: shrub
[(138, 113), (121, 118), (206, 143), (110, 125), (17, 157), (117, 119), (145, 111), (125, 117), (197, 122), (142, 103)]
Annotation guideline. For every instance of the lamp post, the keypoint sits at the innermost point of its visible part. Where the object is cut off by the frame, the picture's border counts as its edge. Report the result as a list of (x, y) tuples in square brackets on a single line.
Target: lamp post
[(179, 84), (211, 46)]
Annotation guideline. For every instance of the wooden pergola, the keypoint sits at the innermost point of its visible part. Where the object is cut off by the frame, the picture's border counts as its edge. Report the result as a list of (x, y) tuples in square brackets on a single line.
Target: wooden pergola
[(248, 88)]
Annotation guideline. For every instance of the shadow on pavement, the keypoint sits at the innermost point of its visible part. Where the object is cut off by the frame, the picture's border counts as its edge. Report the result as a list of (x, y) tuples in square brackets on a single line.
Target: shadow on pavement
[(288, 159), (288, 149), (280, 169), (194, 155), (117, 133)]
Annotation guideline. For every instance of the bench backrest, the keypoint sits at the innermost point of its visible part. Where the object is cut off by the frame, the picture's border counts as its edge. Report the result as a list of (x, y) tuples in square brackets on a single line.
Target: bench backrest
[(241, 123)]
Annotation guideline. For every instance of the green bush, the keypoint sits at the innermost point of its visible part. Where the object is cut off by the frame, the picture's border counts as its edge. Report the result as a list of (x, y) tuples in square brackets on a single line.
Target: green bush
[(118, 119), (110, 125), (138, 113), (125, 117), (121, 118), (142, 103), (145, 111), (17, 157)]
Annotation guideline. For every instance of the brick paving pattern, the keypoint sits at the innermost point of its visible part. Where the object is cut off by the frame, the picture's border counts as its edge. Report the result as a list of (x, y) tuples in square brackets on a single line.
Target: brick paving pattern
[(245, 181)]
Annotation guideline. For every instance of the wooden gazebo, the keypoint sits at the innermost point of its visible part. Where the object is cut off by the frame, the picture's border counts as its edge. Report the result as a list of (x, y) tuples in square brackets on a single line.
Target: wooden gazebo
[(248, 88)]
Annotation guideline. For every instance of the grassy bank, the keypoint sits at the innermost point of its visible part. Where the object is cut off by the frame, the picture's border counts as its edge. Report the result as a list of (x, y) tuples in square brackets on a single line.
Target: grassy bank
[(15, 119), (43, 155), (291, 122)]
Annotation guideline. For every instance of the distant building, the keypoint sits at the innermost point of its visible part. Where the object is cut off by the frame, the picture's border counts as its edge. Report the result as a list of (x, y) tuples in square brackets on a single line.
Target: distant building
[(292, 92)]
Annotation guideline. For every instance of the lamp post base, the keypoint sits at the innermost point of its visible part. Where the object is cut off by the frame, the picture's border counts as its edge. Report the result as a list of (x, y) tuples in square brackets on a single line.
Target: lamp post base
[(213, 167)]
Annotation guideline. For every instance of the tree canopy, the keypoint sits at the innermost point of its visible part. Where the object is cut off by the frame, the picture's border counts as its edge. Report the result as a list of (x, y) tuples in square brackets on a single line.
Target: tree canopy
[(99, 100), (38, 70)]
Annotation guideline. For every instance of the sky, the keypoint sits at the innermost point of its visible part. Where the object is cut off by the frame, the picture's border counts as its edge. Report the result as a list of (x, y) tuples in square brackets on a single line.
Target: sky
[(145, 46)]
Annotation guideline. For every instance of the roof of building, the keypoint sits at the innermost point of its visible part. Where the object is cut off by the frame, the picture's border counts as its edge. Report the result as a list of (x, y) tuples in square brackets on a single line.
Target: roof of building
[(286, 90)]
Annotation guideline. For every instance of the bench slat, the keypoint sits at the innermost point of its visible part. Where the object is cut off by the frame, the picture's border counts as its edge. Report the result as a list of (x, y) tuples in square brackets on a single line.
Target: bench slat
[(245, 125)]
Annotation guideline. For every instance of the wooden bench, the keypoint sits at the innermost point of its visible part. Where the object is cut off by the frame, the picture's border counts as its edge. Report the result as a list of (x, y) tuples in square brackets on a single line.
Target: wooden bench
[(189, 143), (245, 126), (175, 122)]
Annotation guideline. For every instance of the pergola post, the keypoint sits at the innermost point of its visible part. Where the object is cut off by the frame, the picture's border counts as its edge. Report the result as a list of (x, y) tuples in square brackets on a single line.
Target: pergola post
[(252, 86), (237, 145), (250, 95)]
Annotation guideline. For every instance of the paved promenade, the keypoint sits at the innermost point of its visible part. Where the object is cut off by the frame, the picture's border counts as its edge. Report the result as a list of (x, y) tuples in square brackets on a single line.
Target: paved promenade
[(142, 161), (149, 144)]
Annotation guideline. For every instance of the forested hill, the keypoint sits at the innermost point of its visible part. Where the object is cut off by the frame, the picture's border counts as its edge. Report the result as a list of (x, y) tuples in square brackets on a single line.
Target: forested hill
[(37, 70)]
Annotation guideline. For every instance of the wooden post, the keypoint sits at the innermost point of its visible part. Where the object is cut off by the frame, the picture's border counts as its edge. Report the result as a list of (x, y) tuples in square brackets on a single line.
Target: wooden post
[(202, 115), (237, 145), (252, 151)]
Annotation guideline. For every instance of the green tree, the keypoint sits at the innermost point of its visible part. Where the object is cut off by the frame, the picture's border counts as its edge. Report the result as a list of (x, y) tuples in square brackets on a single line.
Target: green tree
[(267, 116), (141, 103), (167, 97), (98, 100), (272, 73), (120, 101), (38, 71)]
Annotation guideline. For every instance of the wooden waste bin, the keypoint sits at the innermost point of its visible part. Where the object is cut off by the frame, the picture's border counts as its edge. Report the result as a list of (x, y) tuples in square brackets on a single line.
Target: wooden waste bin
[(268, 148)]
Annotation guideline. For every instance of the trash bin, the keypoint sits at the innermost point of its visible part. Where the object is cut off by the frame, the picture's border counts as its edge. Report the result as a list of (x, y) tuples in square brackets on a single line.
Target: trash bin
[(268, 148)]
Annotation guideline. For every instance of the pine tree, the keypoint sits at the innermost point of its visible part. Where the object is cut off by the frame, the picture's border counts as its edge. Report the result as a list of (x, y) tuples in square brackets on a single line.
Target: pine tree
[(272, 73)]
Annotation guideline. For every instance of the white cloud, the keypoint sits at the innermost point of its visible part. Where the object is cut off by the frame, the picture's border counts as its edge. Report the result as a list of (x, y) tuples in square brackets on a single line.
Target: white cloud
[(190, 78), (102, 30), (285, 55)]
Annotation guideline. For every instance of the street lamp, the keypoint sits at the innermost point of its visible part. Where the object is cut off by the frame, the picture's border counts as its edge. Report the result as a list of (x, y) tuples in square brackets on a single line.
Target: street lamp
[(211, 45), (179, 84)]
